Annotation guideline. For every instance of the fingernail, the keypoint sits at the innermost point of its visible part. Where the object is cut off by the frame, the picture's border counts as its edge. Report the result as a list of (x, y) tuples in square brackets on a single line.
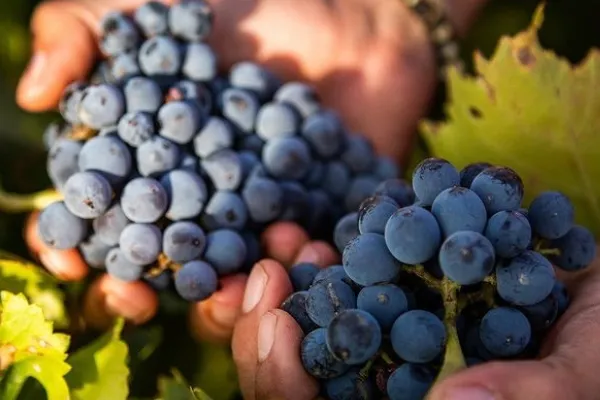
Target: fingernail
[(119, 306), (35, 74), (468, 393), (266, 335), (308, 254), (255, 288)]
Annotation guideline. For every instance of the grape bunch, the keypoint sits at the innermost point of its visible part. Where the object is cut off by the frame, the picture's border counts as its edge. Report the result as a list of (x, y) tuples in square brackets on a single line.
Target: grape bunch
[(460, 275), (170, 168)]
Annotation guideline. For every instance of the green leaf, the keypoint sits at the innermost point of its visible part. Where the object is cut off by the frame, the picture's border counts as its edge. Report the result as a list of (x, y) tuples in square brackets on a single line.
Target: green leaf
[(48, 371), (99, 370), (216, 373), (20, 276), (532, 111), (176, 388)]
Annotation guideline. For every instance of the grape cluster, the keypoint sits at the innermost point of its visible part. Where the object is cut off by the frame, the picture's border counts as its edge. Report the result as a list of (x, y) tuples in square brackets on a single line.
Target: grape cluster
[(450, 273), (170, 169)]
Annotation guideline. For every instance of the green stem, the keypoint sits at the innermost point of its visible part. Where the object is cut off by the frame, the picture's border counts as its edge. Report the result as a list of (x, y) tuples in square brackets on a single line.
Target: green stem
[(549, 252), (418, 270), (486, 294), (454, 360), (18, 203)]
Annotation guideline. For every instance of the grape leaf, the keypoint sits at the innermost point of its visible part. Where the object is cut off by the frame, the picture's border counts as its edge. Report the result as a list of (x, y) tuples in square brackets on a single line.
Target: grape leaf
[(216, 373), (20, 276), (99, 370), (176, 388), (533, 111), (48, 371)]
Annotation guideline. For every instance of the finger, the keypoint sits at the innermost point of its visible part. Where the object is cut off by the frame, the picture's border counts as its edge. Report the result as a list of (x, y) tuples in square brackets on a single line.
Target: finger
[(267, 287), (214, 318), (319, 253), (282, 241), (108, 298), (66, 265)]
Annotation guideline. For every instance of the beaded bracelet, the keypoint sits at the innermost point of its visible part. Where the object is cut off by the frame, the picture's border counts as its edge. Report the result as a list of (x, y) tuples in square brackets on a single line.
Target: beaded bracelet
[(447, 51)]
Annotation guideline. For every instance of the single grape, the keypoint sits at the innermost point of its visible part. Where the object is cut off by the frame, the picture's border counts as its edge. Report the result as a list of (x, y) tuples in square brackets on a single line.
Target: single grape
[(118, 34), (87, 195), (94, 251), (142, 95), (336, 178), (160, 58), (296, 201), (359, 154), (141, 243), (374, 214), (200, 62), (160, 282), (179, 121), (107, 155), (324, 131), (467, 257), (55, 131), (542, 315), (277, 120), (263, 198), (327, 299), (70, 100), (60, 229), (361, 187), (183, 241), (353, 336), (551, 215), (345, 231), (124, 66), (217, 134), (120, 267), (253, 250), (350, 386), (526, 279), (577, 249), (287, 158), (225, 209), (187, 194), (560, 293), (151, 18), (316, 358), (144, 200), (418, 336), (196, 281), (249, 162), (253, 78), (240, 107), (135, 128), (225, 251), (398, 189), (302, 275), (300, 95), (384, 302), (368, 261), (500, 188), (459, 209), (62, 161), (509, 232), (505, 331), (101, 106), (295, 305), (332, 273), (409, 382), (224, 168), (156, 156), (468, 173), (195, 93), (387, 169), (108, 226), (412, 235), (431, 177)]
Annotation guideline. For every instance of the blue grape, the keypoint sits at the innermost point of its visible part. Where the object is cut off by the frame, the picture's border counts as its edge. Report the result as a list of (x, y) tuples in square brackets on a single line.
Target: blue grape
[(409, 382), (159, 282), (144, 200), (183, 241), (560, 293), (62, 161), (386, 168), (199, 63), (124, 66), (299, 95), (277, 120), (332, 273), (224, 169), (156, 156), (240, 107), (296, 201), (368, 261), (249, 162), (191, 20), (108, 226), (160, 58), (55, 131), (101, 106), (345, 231), (217, 134), (319, 211), (253, 250), (316, 358), (509, 232), (93, 251), (135, 128), (327, 299), (468, 173), (195, 93), (542, 315), (431, 177), (412, 235), (120, 267), (324, 132), (315, 175), (336, 178), (551, 215), (225, 209), (70, 100), (359, 154), (151, 18), (374, 213), (188, 163), (107, 155), (397, 189), (467, 257), (225, 251), (361, 187), (179, 121), (251, 143), (142, 95), (350, 386), (384, 302), (295, 305), (263, 198), (577, 249), (196, 281), (87, 195), (459, 209), (141, 243), (526, 279), (287, 158), (500, 188), (101, 74), (505, 331), (353, 336), (187, 194), (118, 34), (418, 336), (302, 275), (254, 78)]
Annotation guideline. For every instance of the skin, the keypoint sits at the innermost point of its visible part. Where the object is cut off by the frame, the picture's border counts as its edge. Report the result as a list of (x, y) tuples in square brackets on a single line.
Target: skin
[(374, 51)]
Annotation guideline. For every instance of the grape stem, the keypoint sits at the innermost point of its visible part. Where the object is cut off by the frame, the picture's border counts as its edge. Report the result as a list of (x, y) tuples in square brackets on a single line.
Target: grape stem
[(454, 360), (549, 252), (19, 203), (419, 270), (485, 294), (163, 263)]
